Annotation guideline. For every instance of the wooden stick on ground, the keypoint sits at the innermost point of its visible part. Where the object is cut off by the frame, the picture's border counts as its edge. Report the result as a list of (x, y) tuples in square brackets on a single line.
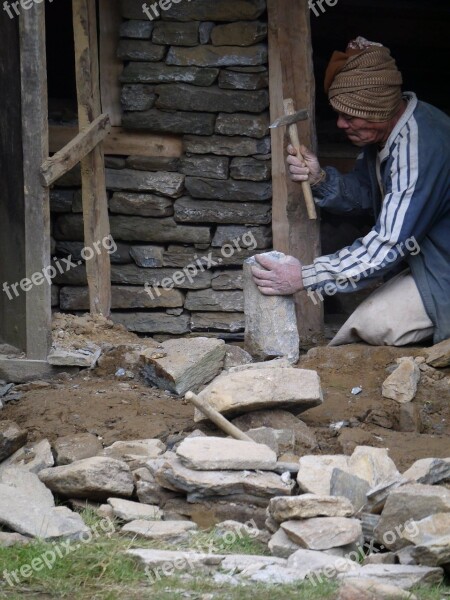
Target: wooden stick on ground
[(217, 418)]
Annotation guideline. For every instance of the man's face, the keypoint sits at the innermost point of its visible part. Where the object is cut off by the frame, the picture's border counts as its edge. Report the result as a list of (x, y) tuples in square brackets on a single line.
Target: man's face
[(362, 132)]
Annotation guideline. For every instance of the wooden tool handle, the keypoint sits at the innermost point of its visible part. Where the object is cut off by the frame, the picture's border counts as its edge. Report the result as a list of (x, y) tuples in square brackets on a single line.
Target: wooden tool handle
[(217, 418), (295, 141)]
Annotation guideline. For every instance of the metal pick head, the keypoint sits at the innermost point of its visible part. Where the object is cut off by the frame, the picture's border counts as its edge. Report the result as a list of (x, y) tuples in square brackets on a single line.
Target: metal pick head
[(300, 115)]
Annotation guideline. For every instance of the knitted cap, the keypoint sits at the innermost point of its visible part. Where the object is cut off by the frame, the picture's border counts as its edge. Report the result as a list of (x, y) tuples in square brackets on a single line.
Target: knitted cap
[(364, 81)]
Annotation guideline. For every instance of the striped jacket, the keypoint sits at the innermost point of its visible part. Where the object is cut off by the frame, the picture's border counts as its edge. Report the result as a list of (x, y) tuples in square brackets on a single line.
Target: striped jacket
[(406, 186)]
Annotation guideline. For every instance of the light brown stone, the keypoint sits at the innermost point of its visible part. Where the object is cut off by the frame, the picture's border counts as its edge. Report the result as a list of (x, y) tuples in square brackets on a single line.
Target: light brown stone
[(323, 533), (308, 506)]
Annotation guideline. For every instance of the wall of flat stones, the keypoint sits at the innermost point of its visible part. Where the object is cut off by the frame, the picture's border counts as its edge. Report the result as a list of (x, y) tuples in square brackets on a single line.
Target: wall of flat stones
[(198, 71)]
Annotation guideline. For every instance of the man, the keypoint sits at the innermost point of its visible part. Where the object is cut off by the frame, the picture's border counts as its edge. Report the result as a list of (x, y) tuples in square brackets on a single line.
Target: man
[(402, 177)]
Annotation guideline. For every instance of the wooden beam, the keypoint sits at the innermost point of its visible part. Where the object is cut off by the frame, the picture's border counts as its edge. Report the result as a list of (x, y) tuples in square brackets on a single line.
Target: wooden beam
[(95, 201), (111, 67), (35, 151), (69, 156), (123, 143), (292, 76)]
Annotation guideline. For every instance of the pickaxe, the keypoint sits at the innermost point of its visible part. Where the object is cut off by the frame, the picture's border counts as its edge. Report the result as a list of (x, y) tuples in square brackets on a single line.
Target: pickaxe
[(290, 119)]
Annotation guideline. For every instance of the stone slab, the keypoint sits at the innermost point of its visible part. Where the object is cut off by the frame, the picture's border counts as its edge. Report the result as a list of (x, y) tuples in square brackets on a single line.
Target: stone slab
[(308, 506), (322, 533)]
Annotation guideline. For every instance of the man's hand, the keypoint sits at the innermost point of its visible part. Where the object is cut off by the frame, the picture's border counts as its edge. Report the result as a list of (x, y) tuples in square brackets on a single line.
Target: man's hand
[(304, 170), (280, 277)]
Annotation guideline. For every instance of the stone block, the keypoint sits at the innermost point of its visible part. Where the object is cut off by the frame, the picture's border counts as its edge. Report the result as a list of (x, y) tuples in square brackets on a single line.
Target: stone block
[(315, 473), (220, 321), (154, 163), (370, 589), (166, 184), (176, 34), (155, 278), (230, 191), (180, 256), (322, 533), (231, 80), (226, 145), (61, 200), (350, 486), (147, 256), (77, 298), (120, 257), (162, 73), (203, 211), (219, 10), (227, 280), (439, 355), (271, 323), (137, 97), (140, 50), (211, 99), (204, 31), (212, 300), (309, 506), (127, 511), (235, 355), (153, 322), (213, 167), (136, 30), (402, 576), (260, 237), (33, 458), (401, 385), (218, 56), (186, 364), (243, 124), (163, 531), (71, 448), (281, 545), (142, 205), (250, 169), (179, 122), (240, 33), (141, 229)]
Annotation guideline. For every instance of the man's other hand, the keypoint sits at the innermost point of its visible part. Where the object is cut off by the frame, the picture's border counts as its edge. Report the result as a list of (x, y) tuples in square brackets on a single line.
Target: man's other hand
[(306, 169), (278, 277)]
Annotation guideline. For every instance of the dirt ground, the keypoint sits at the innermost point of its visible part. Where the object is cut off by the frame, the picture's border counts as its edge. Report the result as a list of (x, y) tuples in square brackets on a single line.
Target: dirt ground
[(124, 409)]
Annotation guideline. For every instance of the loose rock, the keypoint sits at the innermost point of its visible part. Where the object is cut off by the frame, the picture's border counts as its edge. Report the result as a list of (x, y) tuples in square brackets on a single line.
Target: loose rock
[(32, 457), (11, 438), (323, 533), (401, 385), (368, 589), (281, 545), (439, 355), (127, 511), (315, 472), (173, 531), (402, 576), (71, 448), (307, 506)]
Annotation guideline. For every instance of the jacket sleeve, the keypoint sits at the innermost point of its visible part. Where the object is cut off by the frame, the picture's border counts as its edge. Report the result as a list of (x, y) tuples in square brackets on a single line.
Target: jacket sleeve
[(342, 194), (402, 224)]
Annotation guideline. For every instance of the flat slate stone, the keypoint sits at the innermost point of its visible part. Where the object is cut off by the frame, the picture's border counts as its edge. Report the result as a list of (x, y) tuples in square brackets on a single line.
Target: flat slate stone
[(250, 169), (281, 545), (180, 122), (120, 257), (230, 80), (160, 530), (33, 458), (373, 465), (214, 454), (176, 34), (218, 56), (322, 533), (211, 99), (212, 300), (219, 10), (127, 511), (11, 438), (204, 211), (430, 471), (226, 145), (186, 364), (439, 355), (239, 34), (155, 278), (370, 589), (227, 280), (220, 321), (402, 576), (147, 256), (244, 391), (153, 163), (136, 30), (77, 298), (243, 124), (308, 506), (431, 537), (143, 205), (315, 472), (153, 322), (162, 73), (137, 97), (308, 563), (213, 167), (70, 448), (213, 189), (167, 184), (140, 50), (153, 230), (207, 258), (349, 486), (401, 385), (173, 475), (260, 237)]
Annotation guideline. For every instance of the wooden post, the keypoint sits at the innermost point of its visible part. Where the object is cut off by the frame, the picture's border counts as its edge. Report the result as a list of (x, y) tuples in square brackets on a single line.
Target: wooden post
[(35, 151), (111, 67), (292, 76), (95, 202)]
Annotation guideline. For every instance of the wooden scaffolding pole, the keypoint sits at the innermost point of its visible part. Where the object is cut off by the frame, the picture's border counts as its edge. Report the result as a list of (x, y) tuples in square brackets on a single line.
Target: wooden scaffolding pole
[(95, 202), (292, 76)]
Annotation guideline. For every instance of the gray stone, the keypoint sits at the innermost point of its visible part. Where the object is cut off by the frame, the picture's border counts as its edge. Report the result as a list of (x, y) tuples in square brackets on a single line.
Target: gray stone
[(218, 56), (370, 589), (373, 465), (97, 478), (219, 10), (11, 438), (185, 561), (323, 533), (401, 385), (279, 440), (211, 99), (173, 475), (167, 184), (212, 300), (250, 169), (430, 471), (12, 539), (140, 50), (431, 538), (226, 145), (439, 355), (137, 97), (207, 321), (77, 298), (317, 566), (140, 229), (349, 486), (261, 237), (176, 34), (111, 162), (120, 257), (376, 497), (127, 511), (387, 558), (227, 280), (402, 576), (204, 211), (28, 484), (315, 472), (147, 256), (281, 545), (409, 418), (213, 167), (181, 256), (243, 124), (136, 30), (153, 163), (129, 451), (162, 73), (230, 190), (214, 454), (230, 80), (61, 200), (167, 531), (33, 458), (148, 491), (235, 355), (84, 357), (368, 523), (179, 122), (271, 322), (183, 365), (204, 32), (250, 390), (404, 556), (308, 506), (153, 322), (409, 502), (239, 34), (71, 448)]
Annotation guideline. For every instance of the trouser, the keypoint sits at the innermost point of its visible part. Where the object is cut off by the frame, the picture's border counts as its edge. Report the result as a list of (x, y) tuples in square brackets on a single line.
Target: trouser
[(393, 315)]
